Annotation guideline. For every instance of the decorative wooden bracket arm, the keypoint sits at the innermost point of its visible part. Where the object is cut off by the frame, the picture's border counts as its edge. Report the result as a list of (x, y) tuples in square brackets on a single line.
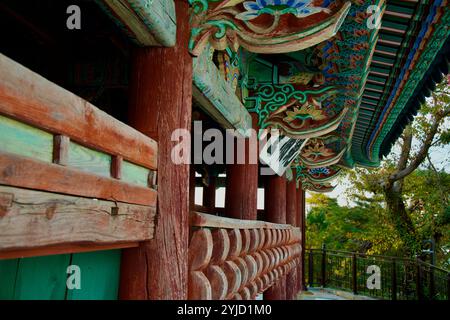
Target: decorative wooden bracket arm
[(295, 109), (217, 97), (263, 26), (145, 22)]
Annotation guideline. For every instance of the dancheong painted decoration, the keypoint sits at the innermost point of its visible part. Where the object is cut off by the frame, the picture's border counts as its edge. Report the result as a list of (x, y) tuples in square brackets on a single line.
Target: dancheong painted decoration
[(114, 112)]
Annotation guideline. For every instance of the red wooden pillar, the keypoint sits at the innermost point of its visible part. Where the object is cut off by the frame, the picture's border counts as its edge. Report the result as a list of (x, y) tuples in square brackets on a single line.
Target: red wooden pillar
[(301, 225), (160, 102), (241, 196), (292, 285), (209, 195), (275, 196)]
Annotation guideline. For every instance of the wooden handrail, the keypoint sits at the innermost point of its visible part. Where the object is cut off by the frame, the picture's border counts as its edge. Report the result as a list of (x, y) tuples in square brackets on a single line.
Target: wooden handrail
[(238, 259), (30, 98)]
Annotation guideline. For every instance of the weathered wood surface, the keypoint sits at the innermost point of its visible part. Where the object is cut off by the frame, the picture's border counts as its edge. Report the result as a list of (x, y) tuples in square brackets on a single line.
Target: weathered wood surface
[(292, 286), (301, 210), (275, 209), (199, 219), (241, 196), (218, 25), (147, 23), (30, 98), (160, 102), (216, 96), (25, 172), (61, 146), (240, 263), (59, 249), (31, 219)]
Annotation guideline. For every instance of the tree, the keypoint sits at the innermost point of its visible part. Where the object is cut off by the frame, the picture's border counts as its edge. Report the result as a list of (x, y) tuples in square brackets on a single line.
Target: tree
[(363, 228), (429, 129)]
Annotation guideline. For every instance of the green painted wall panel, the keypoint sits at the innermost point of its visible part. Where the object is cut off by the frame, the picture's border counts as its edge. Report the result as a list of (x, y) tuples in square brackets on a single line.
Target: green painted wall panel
[(22, 139), (134, 174), (89, 160), (100, 272), (8, 272), (42, 278)]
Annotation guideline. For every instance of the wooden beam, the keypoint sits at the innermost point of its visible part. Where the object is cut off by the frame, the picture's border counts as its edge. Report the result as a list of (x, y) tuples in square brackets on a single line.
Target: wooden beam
[(198, 219), (25, 172), (301, 225), (216, 96), (30, 98), (209, 194), (292, 286), (241, 196), (61, 149), (275, 207), (147, 23), (33, 219), (116, 167), (64, 249), (161, 102)]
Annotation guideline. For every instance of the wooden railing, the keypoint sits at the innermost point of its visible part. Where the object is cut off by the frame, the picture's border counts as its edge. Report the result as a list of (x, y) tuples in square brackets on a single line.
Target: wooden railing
[(71, 176), (238, 259)]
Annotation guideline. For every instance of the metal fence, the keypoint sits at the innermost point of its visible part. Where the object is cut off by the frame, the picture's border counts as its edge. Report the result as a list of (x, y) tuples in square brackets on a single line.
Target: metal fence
[(382, 277)]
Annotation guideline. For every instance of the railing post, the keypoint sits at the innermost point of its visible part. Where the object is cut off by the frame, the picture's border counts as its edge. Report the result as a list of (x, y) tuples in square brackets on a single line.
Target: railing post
[(419, 290), (354, 275), (431, 297), (324, 266), (311, 269), (394, 280), (448, 286)]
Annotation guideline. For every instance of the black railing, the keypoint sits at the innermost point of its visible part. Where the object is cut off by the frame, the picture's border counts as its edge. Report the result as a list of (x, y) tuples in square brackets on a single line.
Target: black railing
[(382, 277)]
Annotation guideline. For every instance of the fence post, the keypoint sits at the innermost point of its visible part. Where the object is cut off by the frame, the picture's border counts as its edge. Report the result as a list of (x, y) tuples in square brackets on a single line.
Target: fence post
[(418, 281), (394, 280), (324, 266), (448, 286), (311, 269), (354, 275), (432, 288)]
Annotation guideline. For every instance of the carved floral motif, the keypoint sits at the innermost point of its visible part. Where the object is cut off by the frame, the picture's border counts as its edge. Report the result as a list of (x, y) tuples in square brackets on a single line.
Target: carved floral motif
[(299, 8)]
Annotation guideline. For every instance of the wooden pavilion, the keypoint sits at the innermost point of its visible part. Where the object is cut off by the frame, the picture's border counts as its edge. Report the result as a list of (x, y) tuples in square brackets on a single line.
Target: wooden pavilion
[(87, 177)]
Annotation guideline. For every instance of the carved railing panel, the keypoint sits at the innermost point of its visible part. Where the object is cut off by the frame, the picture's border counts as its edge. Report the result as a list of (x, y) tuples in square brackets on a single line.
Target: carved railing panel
[(238, 259)]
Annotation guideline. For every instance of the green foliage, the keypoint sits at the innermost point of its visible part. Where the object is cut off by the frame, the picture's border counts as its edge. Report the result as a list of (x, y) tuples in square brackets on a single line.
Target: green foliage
[(394, 213), (363, 228)]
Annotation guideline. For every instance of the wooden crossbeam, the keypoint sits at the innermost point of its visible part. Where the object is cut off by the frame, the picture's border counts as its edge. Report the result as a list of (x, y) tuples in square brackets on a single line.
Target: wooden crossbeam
[(25, 172), (35, 222)]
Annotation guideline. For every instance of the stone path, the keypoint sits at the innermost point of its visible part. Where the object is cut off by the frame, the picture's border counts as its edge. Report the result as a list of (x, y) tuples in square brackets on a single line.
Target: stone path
[(329, 294)]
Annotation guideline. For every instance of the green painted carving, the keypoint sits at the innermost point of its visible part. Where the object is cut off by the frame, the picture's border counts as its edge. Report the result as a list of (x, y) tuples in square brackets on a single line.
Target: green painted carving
[(345, 61), (216, 96), (317, 187), (295, 109), (146, 22), (322, 151), (268, 26)]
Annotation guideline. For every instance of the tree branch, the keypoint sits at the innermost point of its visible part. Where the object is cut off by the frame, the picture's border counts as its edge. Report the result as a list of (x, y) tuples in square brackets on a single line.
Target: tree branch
[(406, 149), (421, 155)]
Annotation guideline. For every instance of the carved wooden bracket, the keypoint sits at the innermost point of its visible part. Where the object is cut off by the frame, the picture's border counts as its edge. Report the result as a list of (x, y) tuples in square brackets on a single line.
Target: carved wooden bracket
[(145, 22), (296, 109), (321, 151), (264, 26), (319, 175)]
